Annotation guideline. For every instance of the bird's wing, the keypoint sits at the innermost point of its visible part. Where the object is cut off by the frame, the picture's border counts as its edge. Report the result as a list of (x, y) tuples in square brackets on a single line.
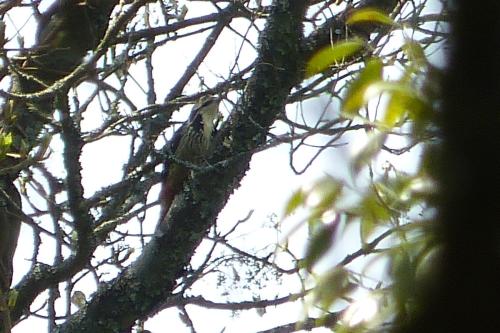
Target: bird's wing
[(172, 145)]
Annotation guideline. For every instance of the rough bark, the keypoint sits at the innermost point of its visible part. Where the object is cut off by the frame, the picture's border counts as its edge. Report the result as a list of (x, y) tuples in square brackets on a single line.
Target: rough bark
[(152, 278)]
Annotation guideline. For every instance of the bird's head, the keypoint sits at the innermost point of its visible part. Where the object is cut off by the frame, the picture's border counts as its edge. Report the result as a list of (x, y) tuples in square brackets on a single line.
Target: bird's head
[(205, 115), (208, 108)]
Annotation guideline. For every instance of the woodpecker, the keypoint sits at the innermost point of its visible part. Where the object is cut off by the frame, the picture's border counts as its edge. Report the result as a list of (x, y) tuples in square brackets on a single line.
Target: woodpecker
[(191, 143)]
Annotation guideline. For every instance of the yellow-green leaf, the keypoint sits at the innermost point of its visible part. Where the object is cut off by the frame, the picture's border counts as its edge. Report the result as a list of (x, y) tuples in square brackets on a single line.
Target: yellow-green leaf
[(403, 100), (359, 93), (372, 214), (5, 140), (332, 55), (369, 15), (297, 199), (5, 143), (395, 110), (415, 52), (12, 298)]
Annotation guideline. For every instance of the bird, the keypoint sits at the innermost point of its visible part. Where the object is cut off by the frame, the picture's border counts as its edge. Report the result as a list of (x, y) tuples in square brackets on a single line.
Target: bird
[(191, 143), (67, 30)]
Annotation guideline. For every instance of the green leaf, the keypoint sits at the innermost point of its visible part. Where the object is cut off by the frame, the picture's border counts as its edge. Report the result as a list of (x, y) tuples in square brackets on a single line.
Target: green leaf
[(359, 92), (395, 110), (403, 271), (319, 244), (415, 52), (5, 140), (374, 210), (11, 303), (368, 153), (297, 200), (403, 100), (5, 143), (404, 192), (369, 15), (388, 192), (328, 190), (372, 214), (332, 55), (332, 286), (366, 227)]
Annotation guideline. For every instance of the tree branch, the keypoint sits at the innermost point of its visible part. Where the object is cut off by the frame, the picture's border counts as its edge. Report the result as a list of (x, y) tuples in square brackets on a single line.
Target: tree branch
[(152, 277)]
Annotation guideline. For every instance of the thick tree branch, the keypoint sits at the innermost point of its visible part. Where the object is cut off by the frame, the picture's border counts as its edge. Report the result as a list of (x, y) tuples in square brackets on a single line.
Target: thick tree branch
[(308, 324), (230, 306), (152, 277)]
